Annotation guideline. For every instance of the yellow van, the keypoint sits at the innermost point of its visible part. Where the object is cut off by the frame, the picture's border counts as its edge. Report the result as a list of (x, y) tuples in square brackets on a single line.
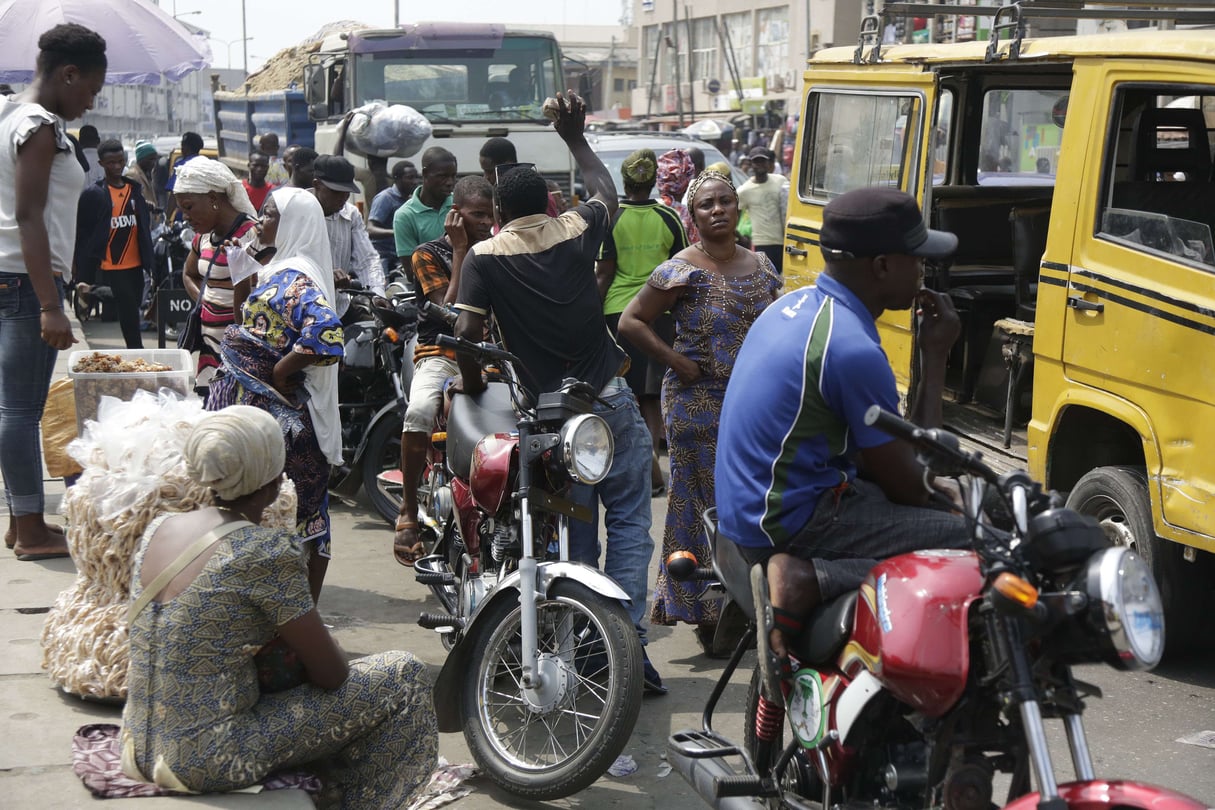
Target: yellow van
[(1077, 174)]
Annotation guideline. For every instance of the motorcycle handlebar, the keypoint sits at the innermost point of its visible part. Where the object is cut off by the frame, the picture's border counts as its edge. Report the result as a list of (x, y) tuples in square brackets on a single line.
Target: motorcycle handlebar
[(483, 352), (945, 456), (435, 312)]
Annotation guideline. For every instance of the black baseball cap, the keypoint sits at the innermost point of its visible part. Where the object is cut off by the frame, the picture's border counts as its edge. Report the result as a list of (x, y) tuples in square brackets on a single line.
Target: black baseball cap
[(877, 222), (762, 153), (335, 172)]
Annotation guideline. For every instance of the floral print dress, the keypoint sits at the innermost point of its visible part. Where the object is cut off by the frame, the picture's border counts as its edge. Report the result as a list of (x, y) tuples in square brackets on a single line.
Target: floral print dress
[(712, 317), (195, 716)]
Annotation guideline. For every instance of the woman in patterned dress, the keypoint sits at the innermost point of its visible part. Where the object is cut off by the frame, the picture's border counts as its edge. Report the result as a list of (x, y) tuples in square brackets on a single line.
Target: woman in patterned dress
[(217, 207), (714, 290), (195, 719), (282, 357)]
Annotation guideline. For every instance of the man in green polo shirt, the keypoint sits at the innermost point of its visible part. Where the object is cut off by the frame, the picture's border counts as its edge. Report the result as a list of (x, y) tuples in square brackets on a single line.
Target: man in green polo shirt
[(421, 218), (644, 234)]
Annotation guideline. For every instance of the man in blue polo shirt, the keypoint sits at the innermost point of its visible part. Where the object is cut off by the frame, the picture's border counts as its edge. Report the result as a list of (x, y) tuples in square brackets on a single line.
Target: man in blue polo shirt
[(792, 428)]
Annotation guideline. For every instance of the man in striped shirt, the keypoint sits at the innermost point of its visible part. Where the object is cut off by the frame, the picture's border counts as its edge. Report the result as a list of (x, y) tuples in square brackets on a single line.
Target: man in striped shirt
[(792, 432)]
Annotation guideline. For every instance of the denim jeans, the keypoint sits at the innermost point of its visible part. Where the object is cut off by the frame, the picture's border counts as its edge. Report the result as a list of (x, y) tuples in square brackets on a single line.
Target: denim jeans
[(849, 533), (26, 366), (625, 494)]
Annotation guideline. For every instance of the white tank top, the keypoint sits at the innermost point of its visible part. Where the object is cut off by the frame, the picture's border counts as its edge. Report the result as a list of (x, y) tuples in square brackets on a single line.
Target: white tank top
[(18, 122)]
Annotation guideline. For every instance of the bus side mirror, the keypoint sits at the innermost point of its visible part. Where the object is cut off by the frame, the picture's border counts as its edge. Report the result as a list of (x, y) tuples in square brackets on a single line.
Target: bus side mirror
[(315, 86)]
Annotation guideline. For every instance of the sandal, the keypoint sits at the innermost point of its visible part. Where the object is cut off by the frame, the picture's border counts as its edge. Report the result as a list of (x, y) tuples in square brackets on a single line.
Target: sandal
[(406, 552)]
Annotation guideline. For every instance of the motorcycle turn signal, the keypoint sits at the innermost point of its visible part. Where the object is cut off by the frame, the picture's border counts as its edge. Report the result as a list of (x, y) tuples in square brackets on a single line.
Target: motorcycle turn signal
[(682, 566), (1012, 594)]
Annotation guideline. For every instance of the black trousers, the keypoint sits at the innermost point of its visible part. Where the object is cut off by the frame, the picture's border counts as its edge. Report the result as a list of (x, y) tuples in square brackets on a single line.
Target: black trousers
[(774, 252), (128, 299)]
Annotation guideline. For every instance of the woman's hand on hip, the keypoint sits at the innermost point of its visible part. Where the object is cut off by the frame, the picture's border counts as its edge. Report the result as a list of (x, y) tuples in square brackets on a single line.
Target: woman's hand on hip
[(687, 370), (285, 380), (57, 330)]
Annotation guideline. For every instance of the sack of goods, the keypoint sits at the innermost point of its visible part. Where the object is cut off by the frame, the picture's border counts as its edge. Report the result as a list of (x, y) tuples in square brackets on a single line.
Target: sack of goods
[(133, 471), (380, 130)]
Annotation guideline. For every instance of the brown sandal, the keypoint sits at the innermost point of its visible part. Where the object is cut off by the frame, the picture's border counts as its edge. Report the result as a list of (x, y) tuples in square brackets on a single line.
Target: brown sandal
[(406, 552)]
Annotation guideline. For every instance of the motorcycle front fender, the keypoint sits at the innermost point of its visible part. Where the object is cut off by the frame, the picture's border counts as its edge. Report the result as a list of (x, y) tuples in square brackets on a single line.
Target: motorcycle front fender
[(451, 677), (1100, 794), (349, 484)]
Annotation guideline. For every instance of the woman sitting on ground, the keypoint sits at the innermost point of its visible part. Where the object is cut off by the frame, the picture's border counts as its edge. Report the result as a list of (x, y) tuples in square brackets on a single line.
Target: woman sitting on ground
[(195, 719)]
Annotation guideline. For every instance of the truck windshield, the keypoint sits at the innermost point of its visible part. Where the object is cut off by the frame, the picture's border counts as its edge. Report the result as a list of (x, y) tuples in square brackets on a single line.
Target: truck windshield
[(509, 83)]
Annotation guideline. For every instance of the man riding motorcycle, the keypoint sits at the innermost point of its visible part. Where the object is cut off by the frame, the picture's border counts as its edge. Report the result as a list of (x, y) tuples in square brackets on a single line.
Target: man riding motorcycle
[(793, 436)]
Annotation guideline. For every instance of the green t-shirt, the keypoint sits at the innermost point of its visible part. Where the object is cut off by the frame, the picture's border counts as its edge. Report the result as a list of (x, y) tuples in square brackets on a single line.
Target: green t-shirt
[(643, 236)]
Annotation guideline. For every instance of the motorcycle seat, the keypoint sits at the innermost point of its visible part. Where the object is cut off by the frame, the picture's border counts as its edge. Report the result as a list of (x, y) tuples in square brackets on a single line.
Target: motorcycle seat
[(825, 632), (474, 417)]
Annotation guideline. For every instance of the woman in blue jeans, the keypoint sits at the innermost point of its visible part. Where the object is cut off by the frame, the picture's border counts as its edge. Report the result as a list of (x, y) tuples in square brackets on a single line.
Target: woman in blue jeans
[(40, 182)]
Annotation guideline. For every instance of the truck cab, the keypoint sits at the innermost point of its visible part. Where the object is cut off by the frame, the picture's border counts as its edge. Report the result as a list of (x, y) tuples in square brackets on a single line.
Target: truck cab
[(1076, 173), (472, 81)]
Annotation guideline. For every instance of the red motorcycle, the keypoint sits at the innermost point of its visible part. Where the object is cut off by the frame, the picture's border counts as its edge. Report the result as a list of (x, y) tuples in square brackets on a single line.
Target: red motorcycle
[(544, 669), (939, 671)]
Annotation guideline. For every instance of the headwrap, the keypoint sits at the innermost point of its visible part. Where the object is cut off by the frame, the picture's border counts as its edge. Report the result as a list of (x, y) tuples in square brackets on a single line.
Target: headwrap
[(302, 243), (710, 174), (144, 149), (236, 451), (202, 175), (675, 171), (640, 168)]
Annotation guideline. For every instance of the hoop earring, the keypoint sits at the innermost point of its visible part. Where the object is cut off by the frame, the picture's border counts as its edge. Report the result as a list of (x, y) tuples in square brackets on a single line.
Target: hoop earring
[(68, 82)]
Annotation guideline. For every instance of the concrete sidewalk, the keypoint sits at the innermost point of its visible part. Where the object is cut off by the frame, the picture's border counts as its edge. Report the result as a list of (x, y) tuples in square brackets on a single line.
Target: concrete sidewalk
[(39, 721)]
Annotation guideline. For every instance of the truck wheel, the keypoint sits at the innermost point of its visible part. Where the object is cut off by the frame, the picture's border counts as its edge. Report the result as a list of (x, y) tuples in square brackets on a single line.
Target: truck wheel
[(1118, 498)]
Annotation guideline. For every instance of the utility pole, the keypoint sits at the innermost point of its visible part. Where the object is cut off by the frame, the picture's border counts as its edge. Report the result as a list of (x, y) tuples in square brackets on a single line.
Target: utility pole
[(244, 45)]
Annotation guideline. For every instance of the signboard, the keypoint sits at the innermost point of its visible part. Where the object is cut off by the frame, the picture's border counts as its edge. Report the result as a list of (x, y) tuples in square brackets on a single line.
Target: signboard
[(172, 307), (713, 86), (647, 5)]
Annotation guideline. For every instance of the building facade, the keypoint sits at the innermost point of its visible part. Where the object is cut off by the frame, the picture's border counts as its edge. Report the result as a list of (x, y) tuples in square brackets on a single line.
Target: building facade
[(727, 57)]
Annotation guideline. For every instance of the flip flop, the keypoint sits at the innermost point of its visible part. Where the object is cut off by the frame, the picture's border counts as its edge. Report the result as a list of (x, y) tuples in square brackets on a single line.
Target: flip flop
[(48, 555), (406, 555)]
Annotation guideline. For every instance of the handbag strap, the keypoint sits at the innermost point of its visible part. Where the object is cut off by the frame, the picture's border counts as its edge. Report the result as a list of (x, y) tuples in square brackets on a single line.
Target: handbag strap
[(192, 553), (240, 220)]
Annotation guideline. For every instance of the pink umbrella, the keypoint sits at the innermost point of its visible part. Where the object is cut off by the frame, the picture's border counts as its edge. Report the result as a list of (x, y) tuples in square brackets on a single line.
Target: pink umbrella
[(142, 42)]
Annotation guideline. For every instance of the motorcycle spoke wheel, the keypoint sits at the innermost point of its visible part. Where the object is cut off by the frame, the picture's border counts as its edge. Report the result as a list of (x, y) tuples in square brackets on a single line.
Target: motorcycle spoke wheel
[(553, 741)]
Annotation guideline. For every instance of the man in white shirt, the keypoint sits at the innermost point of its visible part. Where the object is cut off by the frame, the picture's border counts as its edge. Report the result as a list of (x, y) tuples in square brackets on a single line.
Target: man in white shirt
[(350, 246), (765, 197)]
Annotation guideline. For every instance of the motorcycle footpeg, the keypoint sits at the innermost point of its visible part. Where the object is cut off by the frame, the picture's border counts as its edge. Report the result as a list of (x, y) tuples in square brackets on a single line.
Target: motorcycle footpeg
[(747, 785), (434, 578), (435, 621)]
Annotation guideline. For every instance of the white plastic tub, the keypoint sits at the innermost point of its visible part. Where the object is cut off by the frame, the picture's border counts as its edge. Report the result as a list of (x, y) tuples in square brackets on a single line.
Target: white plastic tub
[(91, 387)]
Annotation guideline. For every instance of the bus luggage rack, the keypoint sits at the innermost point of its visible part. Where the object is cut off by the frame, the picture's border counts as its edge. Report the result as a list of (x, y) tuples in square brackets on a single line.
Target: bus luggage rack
[(1011, 20)]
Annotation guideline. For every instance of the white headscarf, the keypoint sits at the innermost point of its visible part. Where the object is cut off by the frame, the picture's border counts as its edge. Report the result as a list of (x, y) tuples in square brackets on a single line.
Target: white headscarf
[(235, 451), (302, 244), (203, 175)]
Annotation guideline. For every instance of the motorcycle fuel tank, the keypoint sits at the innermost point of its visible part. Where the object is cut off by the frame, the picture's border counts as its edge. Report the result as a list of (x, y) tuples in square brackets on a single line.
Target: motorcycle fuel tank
[(911, 626), (489, 477)]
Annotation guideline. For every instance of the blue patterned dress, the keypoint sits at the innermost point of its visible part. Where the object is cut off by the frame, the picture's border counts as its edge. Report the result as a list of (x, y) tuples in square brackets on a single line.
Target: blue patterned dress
[(712, 316), (194, 705), (286, 313)]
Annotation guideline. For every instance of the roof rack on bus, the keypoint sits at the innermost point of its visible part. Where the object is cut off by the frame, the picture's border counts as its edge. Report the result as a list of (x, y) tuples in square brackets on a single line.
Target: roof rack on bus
[(1011, 19)]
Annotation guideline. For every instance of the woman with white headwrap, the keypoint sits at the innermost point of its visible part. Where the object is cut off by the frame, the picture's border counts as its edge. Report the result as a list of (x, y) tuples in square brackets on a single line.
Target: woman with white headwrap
[(282, 355), (217, 207), (196, 719)]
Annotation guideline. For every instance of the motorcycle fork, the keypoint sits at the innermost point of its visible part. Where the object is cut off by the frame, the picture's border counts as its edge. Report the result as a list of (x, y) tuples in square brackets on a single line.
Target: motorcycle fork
[(532, 677)]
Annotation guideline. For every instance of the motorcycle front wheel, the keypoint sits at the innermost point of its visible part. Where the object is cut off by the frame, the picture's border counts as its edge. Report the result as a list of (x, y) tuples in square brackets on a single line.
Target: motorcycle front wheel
[(383, 452), (556, 740)]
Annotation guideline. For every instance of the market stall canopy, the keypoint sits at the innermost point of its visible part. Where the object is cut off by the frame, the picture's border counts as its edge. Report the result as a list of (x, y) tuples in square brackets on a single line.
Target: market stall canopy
[(142, 42), (710, 129)]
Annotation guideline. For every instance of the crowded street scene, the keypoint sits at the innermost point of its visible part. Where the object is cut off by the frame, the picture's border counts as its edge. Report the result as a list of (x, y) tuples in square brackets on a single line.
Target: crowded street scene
[(653, 404)]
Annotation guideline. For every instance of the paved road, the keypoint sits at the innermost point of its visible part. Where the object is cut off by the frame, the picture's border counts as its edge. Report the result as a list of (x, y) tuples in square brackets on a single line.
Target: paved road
[(374, 603)]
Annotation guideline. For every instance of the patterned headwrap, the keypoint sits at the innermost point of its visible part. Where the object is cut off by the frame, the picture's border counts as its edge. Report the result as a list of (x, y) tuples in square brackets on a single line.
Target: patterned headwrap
[(675, 171), (704, 177), (640, 168), (202, 175)]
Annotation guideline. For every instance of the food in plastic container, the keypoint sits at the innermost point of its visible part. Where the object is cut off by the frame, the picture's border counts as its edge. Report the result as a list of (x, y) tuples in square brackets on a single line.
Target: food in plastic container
[(121, 373)]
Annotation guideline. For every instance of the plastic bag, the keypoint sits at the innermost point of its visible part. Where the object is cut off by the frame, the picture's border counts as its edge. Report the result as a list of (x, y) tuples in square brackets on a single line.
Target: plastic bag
[(380, 130), (59, 428)]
